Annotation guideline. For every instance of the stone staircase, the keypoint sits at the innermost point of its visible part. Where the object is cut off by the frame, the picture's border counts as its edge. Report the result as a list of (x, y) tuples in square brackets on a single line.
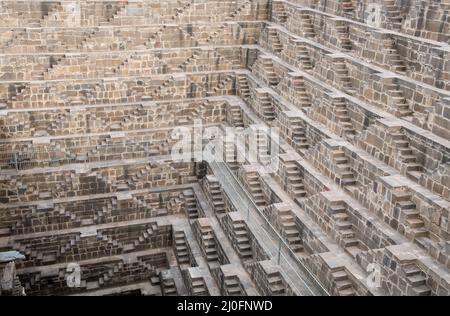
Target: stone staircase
[(306, 24), (342, 284), (279, 12), (111, 206), (266, 108), (263, 140), (218, 90), (344, 171), (393, 57), (190, 60), (142, 204), (275, 284), (343, 77), (237, 119), (242, 240), (343, 35), (108, 275), (55, 62), (409, 215), (299, 139), (167, 283), (121, 10), (397, 103), (58, 123), (66, 184), (289, 230), (215, 192), (110, 184), (157, 93), (294, 183), (232, 286), (153, 39), (95, 152), (95, 122), (343, 117), (231, 157), (17, 93), (208, 244), (131, 118), (338, 212), (243, 87), (116, 10), (302, 96), (303, 58), (245, 5), (197, 286), (197, 112), (274, 41), (181, 249), (347, 8), (417, 279), (254, 187), (406, 156), (179, 12), (269, 71), (85, 43), (139, 176), (190, 204), (53, 8), (393, 14), (118, 70), (215, 34)]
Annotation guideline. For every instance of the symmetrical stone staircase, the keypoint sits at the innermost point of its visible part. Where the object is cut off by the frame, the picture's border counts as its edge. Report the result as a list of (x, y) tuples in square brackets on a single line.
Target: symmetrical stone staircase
[(254, 186), (182, 251), (347, 8), (190, 204), (393, 14), (294, 183), (417, 280), (214, 191), (393, 57), (345, 229), (267, 110), (242, 240), (196, 285), (307, 25), (342, 285), (398, 103), (342, 75), (289, 230), (167, 283), (274, 40), (343, 118), (303, 58), (343, 36), (299, 138), (343, 170), (406, 156), (237, 119), (409, 216), (232, 286), (243, 87), (208, 244), (266, 66), (302, 96)]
